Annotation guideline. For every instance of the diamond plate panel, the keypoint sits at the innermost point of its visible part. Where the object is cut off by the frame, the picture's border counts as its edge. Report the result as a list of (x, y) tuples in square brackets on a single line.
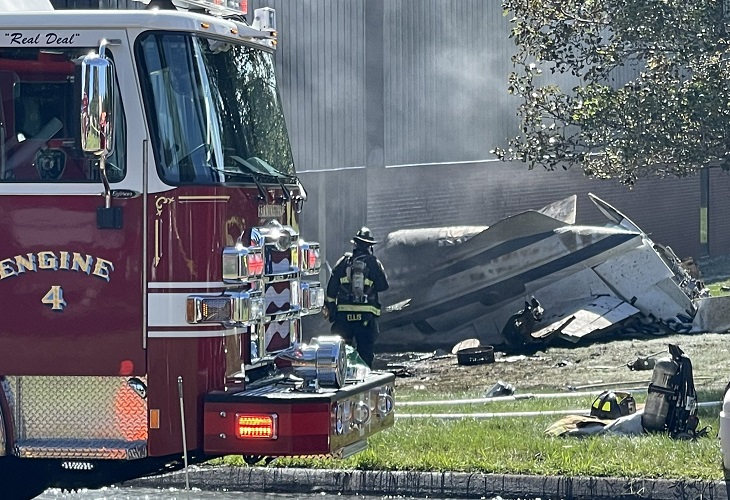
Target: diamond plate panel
[(82, 450), (84, 409)]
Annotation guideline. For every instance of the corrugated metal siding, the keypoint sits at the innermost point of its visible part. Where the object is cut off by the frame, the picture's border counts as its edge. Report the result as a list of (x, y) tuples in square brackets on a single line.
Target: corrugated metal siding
[(332, 212), (445, 62), (321, 65)]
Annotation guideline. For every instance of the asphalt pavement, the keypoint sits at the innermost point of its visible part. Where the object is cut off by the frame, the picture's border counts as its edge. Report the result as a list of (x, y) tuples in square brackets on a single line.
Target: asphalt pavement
[(434, 485)]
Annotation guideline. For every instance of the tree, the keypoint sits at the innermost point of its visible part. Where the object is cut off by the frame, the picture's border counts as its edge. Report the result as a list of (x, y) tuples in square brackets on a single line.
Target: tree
[(651, 91)]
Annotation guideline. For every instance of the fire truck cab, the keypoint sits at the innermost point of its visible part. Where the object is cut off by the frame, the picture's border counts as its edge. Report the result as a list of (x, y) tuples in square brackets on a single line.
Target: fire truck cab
[(152, 275)]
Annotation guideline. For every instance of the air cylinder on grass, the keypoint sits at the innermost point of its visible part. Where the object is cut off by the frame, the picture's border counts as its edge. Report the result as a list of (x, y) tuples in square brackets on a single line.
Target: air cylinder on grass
[(659, 398)]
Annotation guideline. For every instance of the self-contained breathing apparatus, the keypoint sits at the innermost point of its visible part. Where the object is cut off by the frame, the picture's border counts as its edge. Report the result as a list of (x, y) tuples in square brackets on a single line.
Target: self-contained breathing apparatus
[(671, 403), (355, 271)]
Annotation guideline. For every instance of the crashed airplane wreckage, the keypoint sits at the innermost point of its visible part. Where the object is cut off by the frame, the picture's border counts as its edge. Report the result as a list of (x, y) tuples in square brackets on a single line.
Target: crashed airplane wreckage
[(570, 282)]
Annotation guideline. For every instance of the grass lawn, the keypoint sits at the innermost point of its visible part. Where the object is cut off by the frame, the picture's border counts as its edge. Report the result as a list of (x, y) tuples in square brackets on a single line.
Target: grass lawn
[(519, 445)]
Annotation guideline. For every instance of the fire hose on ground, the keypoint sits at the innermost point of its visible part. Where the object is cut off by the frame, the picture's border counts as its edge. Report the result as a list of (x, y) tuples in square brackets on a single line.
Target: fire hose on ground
[(510, 414)]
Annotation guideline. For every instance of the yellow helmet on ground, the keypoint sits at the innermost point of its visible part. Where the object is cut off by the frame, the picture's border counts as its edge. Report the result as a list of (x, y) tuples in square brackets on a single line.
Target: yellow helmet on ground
[(613, 404)]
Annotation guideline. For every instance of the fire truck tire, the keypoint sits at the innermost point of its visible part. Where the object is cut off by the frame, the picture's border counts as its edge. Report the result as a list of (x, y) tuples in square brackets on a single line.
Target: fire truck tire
[(22, 479)]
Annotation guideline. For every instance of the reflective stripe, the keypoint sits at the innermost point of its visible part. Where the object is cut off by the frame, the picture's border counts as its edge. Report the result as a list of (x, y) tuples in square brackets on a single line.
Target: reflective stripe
[(368, 308), (329, 299), (344, 280)]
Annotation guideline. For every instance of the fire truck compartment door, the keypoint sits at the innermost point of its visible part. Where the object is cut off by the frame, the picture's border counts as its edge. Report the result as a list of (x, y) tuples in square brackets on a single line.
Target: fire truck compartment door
[(71, 293)]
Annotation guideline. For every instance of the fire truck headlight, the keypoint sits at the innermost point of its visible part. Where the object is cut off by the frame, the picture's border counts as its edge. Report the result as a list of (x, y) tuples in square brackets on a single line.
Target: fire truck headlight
[(249, 307), (258, 308), (317, 302), (277, 235), (339, 417)]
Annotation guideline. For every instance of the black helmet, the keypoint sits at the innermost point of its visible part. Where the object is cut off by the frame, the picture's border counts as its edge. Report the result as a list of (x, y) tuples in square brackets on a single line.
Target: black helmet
[(613, 404), (364, 236)]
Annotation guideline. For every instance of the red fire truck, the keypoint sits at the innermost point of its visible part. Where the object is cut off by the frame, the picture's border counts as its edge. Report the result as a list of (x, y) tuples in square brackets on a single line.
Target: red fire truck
[(152, 276)]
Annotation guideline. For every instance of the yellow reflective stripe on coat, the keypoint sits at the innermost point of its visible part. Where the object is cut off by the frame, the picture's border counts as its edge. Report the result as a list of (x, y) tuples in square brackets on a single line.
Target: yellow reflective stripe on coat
[(344, 280), (362, 308)]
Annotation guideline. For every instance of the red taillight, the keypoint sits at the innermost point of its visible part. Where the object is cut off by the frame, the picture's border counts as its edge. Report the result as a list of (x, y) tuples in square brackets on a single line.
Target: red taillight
[(312, 257), (255, 264), (309, 257), (256, 426)]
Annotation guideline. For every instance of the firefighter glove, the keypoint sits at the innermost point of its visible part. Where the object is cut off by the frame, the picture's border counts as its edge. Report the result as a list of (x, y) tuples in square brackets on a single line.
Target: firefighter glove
[(329, 311)]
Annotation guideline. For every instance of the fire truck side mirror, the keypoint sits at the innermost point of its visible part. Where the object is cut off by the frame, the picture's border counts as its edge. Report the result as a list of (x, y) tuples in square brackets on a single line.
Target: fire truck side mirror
[(97, 125), (97, 104)]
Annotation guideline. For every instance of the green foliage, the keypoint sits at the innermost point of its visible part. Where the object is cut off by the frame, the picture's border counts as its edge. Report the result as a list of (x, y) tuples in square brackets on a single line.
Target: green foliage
[(647, 86)]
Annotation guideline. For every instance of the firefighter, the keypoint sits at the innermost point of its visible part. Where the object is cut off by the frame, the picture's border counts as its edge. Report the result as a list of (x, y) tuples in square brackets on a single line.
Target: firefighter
[(352, 304)]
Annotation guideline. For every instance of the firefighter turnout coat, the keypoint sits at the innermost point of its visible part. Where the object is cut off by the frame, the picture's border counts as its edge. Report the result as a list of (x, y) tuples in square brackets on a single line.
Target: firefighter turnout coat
[(343, 296)]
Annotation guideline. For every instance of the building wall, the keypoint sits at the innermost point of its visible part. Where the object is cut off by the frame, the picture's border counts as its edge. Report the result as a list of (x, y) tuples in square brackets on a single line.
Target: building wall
[(443, 66), (483, 193)]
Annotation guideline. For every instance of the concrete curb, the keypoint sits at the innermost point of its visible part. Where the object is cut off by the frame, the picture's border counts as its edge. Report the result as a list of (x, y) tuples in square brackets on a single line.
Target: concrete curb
[(435, 484)]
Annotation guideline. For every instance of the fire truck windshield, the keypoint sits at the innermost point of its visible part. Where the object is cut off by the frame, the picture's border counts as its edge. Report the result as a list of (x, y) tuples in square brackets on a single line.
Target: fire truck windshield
[(214, 110)]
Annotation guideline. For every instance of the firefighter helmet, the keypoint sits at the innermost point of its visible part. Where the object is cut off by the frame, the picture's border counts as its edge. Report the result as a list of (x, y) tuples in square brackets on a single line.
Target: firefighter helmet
[(364, 236), (613, 404)]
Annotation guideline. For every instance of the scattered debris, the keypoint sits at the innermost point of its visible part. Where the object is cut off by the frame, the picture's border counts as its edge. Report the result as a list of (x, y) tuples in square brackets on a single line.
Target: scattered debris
[(476, 355), (517, 331), (562, 363), (465, 344), (592, 282), (398, 306), (499, 389), (399, 370), (642, 364)]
